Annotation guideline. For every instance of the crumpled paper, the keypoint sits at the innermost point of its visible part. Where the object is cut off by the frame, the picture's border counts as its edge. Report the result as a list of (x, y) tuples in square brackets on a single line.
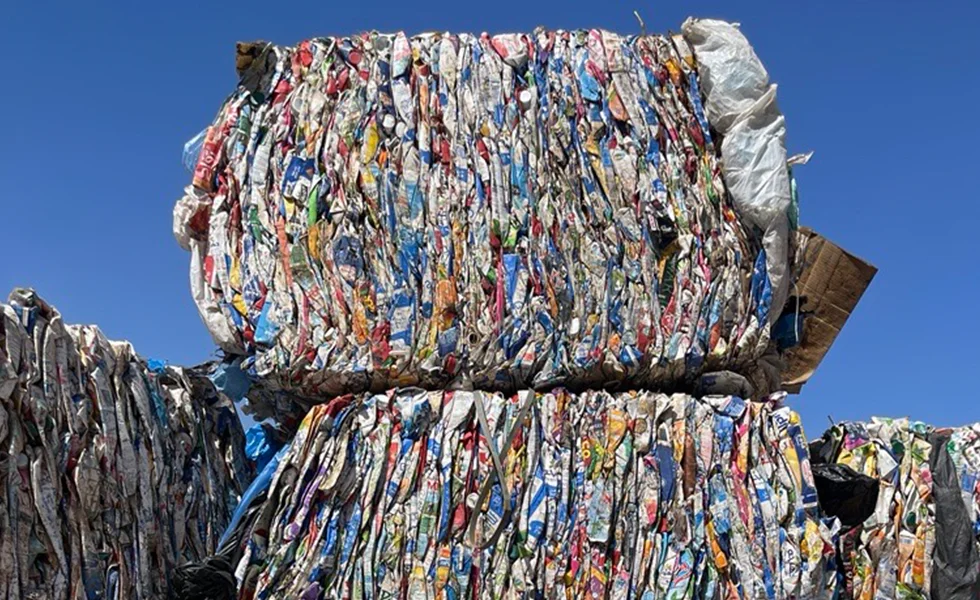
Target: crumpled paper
[(114, 470), (496, 212), (417, 494)]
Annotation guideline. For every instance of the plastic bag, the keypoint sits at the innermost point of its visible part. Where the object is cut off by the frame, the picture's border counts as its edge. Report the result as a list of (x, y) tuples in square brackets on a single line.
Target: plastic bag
[(754, 150), (733, 78), (211, 579), (844, 493), (742, 107)]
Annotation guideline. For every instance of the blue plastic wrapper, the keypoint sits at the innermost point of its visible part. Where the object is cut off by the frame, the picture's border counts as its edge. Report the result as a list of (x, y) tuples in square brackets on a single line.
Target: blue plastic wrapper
[(260, 447), (229, 378), (257, 487)]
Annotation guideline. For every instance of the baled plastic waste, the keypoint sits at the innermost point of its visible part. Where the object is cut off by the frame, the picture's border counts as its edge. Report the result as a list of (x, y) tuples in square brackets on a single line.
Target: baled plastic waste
[(115, 470), (594, 495), (495, 212), (920, 542)]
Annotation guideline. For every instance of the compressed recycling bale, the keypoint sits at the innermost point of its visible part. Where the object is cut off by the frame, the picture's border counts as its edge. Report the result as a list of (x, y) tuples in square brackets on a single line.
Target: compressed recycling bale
[(501, 212), (921, 540), (114, 470), (541, 495)]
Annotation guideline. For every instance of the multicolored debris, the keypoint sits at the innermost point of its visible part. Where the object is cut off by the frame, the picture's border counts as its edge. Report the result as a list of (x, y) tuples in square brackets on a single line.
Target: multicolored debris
[(921, 540), (115, 470), (418, 494), (497, 212)]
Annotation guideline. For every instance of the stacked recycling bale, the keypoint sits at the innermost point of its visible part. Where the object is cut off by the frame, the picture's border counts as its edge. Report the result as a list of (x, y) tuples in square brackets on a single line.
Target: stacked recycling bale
[(518, 215), (591, 495), (920, 540), (498, 212), (114, 470)]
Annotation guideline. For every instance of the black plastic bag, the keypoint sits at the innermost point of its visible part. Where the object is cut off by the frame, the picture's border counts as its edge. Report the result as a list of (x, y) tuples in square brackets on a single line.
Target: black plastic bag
[(211, 579), (214, 577), (844, 493), (955, 560)]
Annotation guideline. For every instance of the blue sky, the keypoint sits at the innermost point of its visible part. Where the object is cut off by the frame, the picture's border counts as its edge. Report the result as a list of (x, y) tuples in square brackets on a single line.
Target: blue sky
[(100, 97)]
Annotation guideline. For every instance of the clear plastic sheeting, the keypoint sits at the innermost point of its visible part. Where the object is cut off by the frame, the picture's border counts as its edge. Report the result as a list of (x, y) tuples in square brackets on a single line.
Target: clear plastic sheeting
[(496, 212), (741, 105), (416, 494), (114, 470)]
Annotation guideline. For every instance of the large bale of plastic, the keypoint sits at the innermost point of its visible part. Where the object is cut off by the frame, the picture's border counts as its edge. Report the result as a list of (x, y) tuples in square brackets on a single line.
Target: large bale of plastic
[(921, 540), (114, 471), (500, 212), (964, 451), (441, 494)]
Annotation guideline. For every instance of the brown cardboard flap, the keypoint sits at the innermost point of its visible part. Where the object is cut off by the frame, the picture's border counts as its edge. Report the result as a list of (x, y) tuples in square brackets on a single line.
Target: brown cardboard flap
[(831, 283), (246, 53)]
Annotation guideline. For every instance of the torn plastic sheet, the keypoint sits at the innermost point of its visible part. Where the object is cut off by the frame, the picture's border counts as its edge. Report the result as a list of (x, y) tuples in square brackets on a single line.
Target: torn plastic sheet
[(280, 411), (115, 470), (262, 442), (497, 212), (921, 539), (741, 105), (555, 495)]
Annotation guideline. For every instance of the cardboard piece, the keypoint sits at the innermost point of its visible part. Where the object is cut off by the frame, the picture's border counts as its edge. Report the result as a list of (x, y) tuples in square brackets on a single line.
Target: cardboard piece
[(246, 53), (830, 285)]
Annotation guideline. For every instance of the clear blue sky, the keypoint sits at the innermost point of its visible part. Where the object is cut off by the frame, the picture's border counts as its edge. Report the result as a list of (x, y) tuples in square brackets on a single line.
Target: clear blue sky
[(98, 99)]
